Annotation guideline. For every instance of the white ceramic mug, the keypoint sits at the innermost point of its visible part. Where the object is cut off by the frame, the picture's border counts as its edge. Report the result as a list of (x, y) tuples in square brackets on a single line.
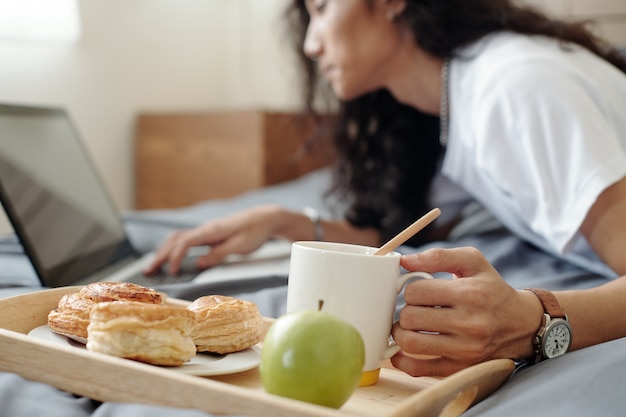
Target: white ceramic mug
[(355, 285)]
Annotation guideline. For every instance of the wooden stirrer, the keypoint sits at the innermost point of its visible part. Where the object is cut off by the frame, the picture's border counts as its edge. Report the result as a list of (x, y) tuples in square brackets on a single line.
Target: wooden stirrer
[(406, 234)]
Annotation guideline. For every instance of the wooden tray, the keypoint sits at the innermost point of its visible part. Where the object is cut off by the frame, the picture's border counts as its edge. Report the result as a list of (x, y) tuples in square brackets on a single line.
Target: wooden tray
[(107, 378)]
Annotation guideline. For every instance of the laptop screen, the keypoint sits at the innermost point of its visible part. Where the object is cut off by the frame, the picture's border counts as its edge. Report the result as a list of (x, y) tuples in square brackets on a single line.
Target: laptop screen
[(54, 197)]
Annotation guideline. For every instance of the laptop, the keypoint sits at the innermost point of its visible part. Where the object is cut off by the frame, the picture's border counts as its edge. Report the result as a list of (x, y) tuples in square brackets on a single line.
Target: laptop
[(62, 213)]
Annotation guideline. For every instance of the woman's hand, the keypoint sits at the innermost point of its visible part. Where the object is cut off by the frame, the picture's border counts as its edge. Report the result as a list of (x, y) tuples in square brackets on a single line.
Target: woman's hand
[(240, 233), (474, 317)]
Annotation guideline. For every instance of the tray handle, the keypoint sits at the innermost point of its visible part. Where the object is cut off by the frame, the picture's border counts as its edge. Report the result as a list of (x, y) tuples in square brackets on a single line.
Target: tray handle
[(455, 394)]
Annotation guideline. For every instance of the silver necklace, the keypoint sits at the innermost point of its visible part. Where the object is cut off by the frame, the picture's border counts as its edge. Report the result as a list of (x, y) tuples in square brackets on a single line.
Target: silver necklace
[(443, 105)]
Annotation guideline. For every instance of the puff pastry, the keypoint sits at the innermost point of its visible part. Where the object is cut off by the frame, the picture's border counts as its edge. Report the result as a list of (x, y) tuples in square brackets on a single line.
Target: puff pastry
[(225, 324), (152, 333), (71, 316), (116, 291)]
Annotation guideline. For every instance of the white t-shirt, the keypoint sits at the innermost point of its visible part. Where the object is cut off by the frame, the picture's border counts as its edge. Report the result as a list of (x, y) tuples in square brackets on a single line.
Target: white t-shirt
[(536, 133)]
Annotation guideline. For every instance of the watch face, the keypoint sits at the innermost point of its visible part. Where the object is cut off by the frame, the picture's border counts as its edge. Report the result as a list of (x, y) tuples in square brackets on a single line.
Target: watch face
[(557, 339)]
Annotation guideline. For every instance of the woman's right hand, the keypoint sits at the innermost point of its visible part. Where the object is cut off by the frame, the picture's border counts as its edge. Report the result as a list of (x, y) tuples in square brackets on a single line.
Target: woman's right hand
[(239, 233)]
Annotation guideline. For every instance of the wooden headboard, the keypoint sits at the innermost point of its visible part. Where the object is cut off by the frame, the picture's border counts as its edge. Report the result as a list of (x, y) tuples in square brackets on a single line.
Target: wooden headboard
[(181, 159)]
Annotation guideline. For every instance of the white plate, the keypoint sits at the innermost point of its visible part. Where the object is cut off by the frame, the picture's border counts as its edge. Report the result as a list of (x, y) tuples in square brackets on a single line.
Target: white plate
[(202, 364)]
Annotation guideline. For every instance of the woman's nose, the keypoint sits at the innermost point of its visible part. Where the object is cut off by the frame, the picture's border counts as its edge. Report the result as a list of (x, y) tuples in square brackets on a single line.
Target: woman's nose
[(312, 45)]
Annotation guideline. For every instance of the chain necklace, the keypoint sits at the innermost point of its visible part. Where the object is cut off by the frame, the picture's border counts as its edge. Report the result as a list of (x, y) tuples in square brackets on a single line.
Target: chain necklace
[(443, 105)]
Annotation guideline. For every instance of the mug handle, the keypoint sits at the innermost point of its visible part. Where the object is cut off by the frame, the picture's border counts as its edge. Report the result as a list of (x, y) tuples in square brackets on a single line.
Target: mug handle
[(409, 275), (393, 348)]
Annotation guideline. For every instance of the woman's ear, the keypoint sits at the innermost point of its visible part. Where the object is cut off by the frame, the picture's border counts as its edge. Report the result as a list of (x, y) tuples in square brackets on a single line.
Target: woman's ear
[(395, 8)]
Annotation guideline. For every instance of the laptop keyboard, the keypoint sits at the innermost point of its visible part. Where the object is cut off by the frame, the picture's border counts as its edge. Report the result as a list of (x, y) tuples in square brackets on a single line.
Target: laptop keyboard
[(162, 278)]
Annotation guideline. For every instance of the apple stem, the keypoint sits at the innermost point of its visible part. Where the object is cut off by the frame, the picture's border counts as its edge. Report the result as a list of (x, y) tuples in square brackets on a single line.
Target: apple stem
[(320, 304)]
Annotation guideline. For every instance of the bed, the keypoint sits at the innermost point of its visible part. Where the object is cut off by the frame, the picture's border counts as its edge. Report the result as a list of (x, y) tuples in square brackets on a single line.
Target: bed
[(586, 382)]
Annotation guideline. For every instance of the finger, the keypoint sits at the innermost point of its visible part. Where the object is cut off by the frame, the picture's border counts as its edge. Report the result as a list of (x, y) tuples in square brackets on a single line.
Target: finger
[(172, 251), (205, 235), (461, 262), (176, 255), (430, 319), (435, 344), (425, 366), (433, 292), (217, 254), (153, 267), (176, 250), (162, 253)]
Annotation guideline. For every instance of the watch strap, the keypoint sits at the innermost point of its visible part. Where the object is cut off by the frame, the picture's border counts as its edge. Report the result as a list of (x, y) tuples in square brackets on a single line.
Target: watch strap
[(552, 310), (550, 304)]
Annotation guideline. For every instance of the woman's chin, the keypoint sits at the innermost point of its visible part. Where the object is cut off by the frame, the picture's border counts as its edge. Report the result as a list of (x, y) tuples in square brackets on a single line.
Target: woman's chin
[(347, 94)]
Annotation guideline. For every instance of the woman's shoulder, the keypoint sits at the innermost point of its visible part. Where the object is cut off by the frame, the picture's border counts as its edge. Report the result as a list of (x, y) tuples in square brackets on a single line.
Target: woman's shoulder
[(517, 57), (506, 46), (512, 66)]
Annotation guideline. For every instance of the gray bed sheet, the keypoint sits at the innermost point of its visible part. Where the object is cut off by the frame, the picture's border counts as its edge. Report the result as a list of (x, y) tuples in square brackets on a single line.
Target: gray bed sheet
[(587, 382)]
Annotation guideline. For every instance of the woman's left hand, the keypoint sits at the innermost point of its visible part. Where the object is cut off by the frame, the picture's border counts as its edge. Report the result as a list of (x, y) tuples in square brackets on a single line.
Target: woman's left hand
[(459, 322)]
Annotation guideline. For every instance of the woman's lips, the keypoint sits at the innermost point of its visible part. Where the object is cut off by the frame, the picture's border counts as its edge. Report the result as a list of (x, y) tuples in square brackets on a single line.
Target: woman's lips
[(328, 71)]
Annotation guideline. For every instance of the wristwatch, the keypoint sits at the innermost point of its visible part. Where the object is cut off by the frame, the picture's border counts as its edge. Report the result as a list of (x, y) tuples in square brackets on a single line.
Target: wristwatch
[(554, 337), (314, 217)]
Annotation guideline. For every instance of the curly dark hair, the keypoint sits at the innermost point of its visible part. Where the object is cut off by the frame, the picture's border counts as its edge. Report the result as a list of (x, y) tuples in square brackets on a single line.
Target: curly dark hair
[(387, 152)]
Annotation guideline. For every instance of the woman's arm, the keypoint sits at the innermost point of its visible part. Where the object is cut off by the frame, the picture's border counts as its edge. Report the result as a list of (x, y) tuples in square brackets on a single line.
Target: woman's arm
[(605, 226), (298, 226), (477, 316), (247, 230), (595, 314)]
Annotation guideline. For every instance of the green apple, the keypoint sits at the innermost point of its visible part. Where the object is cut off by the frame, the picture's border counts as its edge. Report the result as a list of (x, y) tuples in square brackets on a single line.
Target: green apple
[(312, 356)]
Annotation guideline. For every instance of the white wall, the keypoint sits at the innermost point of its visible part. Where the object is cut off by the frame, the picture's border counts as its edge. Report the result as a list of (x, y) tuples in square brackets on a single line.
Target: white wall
[(609, 16), (152, 55)]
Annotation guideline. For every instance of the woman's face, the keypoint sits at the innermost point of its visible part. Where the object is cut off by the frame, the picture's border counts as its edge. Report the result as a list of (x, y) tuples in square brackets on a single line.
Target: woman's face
[(353, 42)]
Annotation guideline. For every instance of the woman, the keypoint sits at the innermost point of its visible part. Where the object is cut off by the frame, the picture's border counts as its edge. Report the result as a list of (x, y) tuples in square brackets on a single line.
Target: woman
[(518, 112)]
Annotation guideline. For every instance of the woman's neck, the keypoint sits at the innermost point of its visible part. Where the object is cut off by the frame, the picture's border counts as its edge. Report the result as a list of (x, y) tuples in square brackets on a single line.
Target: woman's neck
[(416, 80)]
